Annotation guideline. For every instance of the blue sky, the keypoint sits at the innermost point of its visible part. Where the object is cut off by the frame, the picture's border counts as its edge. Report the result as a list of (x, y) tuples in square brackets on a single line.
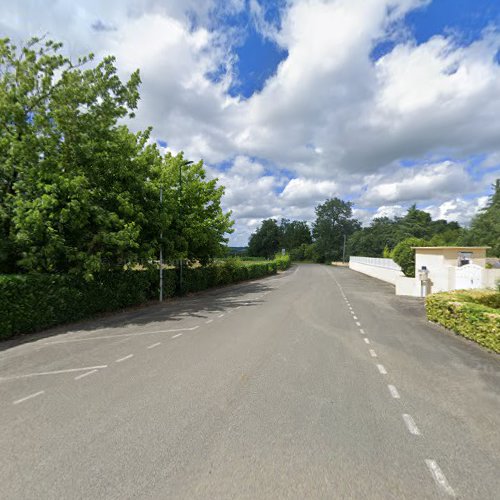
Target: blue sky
[(382, 102)]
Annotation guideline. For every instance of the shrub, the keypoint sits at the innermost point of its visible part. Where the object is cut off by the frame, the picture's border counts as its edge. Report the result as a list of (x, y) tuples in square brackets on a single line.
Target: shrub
[(32, 302), (405, 256), (472, 314)]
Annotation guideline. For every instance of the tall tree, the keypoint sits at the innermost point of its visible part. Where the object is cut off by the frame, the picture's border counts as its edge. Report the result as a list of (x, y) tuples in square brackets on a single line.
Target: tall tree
[(485, 226), (333, 222), (294, 234), (265, 241)]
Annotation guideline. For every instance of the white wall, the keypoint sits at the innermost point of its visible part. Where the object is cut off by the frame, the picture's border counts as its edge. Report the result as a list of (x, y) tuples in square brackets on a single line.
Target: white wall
[(376, 271), (490, 276), (408, 286)]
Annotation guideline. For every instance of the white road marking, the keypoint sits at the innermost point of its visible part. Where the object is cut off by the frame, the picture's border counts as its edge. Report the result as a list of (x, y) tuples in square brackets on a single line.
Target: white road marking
[(382, 369), (358, 323), (178, 335), (123, 335), (220, 316), (361, 331), (355, 317), (154, 345), (208, 321), (55, 372), (410, 423), (237, 307), (366, 340), (124, 358), (394, 392), (78, 377), (439, 477), (373, 354), (31, 396)]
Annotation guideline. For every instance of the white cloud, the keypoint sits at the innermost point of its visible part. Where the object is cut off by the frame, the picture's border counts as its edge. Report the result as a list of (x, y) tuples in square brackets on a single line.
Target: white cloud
[(457, 209), (338, 122)]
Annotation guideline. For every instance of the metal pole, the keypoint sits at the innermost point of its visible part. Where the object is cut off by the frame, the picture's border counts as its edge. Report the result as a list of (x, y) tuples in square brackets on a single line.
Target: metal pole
[(343, 251), (180, 220), (161, 247)]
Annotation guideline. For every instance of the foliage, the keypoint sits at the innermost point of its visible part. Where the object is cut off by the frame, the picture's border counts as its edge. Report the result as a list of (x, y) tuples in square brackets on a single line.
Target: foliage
[(79, 192), (193, 222), (404, 255), (265, 241), (385, 233), (485, 226), (305, 252), (35, 301), (294, 233), (282, 261), (464, 312), (333, 221)]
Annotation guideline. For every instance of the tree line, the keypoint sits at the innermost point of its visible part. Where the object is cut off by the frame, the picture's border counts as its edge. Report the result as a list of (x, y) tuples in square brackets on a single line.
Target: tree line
[(323, 240), (79, 192)]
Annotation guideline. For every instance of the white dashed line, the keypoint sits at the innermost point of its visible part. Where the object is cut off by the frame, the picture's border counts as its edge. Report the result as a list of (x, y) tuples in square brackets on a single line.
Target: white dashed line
[(124, 358), (373, 354), (178, 335), (361, 331), (137, 334), (358, 323), (237, 307), (55, 372), (382, 369), (154, 345), (78, 377), (355, 317), (366, 340), (220, 316), (208, 321), (31, 396), (439, 477), (410, 423), (394, 392)]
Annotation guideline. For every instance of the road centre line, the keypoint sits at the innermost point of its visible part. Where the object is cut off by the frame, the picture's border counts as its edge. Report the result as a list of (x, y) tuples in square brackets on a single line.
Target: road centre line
[(410, 423), (382, 370), (394, 392), (208, 321), (366, 340), (137, 334), (220, 315), (354, 317), (55, 372), (358, 323), (362, 331), (124, 358), (175, 336), (373, 354), (78, 377), (31, 396), (154, 345), (439, 477)]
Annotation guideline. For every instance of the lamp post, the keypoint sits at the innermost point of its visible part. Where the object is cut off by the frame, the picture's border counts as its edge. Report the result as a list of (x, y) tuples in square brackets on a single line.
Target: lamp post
[(343, 250)]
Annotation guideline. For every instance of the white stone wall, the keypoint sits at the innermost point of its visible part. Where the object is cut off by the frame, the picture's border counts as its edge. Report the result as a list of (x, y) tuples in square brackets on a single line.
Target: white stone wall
[(382, 269)]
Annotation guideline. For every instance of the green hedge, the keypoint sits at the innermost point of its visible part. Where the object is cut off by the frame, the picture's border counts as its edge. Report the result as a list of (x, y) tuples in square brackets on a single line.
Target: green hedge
[(33, 302), (475, 314)]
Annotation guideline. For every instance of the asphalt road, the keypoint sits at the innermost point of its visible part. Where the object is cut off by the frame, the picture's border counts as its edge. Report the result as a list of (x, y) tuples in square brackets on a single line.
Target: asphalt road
[(317, 383)]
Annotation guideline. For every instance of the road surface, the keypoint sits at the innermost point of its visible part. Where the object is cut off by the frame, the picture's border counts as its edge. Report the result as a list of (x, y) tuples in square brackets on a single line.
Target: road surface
[(317, 383)]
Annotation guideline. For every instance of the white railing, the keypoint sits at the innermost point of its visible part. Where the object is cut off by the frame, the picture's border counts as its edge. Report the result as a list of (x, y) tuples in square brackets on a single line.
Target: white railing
[(377, 262)]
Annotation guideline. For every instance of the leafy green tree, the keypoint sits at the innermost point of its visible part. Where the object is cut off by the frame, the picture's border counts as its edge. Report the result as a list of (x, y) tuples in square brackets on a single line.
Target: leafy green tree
[(404, 255), (194, 225), (485, 226), (265, 241), (294, 234), (370, 241), (333, 221)]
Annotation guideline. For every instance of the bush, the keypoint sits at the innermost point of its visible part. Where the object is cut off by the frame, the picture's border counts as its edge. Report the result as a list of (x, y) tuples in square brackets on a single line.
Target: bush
[(32, 302), (474, 314), (35, 301), (405, 256)]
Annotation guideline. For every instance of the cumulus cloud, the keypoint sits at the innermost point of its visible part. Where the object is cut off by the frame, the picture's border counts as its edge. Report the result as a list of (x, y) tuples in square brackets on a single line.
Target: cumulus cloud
[(338, 122)]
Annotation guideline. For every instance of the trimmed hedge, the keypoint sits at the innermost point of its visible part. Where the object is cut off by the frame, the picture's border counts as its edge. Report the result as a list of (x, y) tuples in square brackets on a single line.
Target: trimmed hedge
[(33, 302), (474, 314)]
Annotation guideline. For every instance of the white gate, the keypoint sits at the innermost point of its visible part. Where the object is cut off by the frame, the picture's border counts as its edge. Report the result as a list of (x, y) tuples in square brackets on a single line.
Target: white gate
[(468, 276)]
